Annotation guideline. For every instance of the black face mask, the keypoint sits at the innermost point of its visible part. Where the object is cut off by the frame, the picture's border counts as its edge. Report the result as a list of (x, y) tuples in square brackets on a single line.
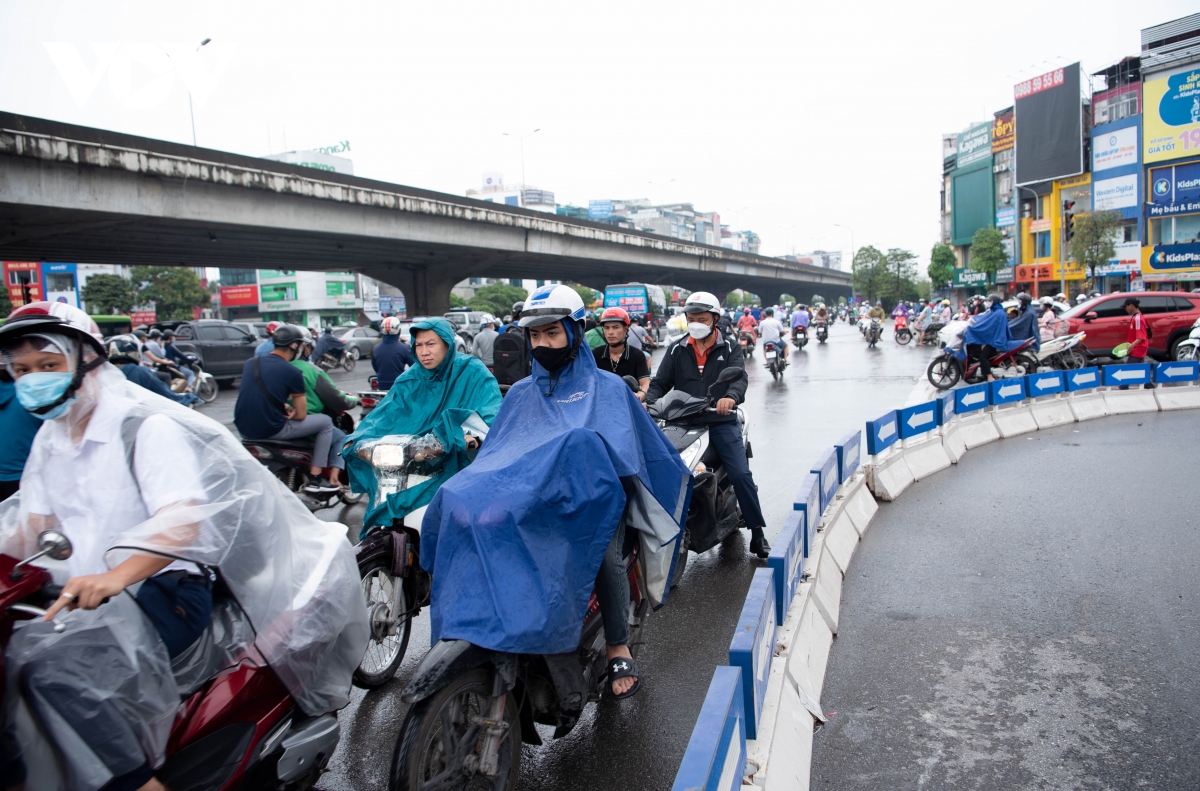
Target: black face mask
[(552, 359)]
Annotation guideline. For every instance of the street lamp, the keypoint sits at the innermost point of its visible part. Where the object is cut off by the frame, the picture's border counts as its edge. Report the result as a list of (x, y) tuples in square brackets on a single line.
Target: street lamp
[(191, 111), (660, 184), (522, 139)]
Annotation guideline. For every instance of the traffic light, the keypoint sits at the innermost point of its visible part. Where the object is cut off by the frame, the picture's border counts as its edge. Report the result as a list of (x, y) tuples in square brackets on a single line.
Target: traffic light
[(1068, 219)]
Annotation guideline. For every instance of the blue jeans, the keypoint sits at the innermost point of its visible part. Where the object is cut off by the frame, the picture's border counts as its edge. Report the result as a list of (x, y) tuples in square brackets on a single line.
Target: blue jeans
[(726, 439), (612, 591)]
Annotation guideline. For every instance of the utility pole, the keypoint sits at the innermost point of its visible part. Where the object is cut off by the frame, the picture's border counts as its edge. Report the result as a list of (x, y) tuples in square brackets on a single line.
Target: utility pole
[(522, 139)]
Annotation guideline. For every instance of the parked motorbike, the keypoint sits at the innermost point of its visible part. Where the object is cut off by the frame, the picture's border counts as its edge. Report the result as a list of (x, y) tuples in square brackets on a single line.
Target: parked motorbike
[(902, 332), (929, 336), (748, 340), (1187, 348), (714, 514), (822, 332), (775, 361), (204, 386), (873, 332), (329, 362), (239, 728), (291, 459), (945, 371), (799, 338), (1063, 353)]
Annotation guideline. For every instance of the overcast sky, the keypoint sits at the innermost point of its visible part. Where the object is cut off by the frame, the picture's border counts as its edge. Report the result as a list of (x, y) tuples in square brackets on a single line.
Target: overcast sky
[(785, 117)]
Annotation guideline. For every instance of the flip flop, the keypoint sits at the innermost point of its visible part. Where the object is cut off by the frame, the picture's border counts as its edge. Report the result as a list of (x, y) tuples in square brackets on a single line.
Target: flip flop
[(618, 668)]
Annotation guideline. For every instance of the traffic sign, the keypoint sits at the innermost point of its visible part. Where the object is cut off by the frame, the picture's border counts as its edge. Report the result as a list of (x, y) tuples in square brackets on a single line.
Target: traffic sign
[(970, 398), (808, 502), (785, 561), (827, 468), (1183, 371), (1005, 391), (1083, 378), (1044, 384), (1136, 374), (753, 645), (849, 451), (882, 433), (914, 420), (716, 753)]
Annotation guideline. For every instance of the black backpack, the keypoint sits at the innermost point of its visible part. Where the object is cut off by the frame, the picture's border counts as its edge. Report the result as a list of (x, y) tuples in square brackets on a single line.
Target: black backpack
[(510, 357)]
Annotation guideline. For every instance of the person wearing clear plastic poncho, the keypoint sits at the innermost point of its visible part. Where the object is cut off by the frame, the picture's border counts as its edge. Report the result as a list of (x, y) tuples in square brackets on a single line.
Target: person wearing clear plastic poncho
[(151, 494), (448, 398)]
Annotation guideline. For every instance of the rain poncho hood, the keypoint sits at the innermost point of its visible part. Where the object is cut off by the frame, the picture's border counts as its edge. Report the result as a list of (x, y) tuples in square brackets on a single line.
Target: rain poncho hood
[(293, 575), (989, 328), (515, 541), (1025, 326), (459, 393)]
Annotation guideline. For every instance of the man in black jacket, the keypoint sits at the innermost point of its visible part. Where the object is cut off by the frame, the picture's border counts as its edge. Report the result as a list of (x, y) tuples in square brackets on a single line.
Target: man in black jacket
[(692, 364)]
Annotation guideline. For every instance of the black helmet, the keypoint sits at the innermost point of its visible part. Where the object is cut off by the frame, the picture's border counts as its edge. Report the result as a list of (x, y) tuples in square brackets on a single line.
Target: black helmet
[(155, 333), (516, 310), (123, 349), (140, 333), (287, 334)]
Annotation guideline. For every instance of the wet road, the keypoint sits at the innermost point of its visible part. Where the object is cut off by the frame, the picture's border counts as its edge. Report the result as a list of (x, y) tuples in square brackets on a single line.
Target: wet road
[(826, 391), (1001, 636)]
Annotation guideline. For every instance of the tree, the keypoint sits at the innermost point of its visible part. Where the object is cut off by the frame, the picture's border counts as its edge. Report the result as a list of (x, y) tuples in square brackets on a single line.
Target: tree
[(457, 302), (941, 266), (497, 298), (175, 290), (868, 271), (816, 299), (733, 300), (987, 252), (1095, 239), (6, 305), (588, 294), (108, 294), (899, 284)]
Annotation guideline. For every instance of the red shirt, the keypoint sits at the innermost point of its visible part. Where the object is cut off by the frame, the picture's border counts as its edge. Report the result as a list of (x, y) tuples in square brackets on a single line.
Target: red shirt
[(701, 354), (747, 322), (1137, 336)]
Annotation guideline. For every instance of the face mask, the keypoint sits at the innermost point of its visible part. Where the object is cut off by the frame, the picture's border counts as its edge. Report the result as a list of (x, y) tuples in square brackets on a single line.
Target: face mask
[(552, 359), (41, 389), (698, 330)]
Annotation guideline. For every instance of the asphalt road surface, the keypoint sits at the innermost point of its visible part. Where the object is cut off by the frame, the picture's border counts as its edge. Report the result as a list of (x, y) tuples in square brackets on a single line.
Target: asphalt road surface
[(827, 390), (1026, 620)]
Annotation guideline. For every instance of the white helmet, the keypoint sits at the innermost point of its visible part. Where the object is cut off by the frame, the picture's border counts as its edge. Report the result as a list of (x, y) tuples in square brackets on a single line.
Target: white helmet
[(552, 303), (488, 318), (702, 302), (390, 326), (1045, 300), (306, 336), (1081, 299)]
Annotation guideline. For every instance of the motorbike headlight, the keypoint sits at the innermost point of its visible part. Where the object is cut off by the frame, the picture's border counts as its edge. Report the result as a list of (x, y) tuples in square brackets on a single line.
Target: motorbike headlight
[(400, 461), (691, 454)]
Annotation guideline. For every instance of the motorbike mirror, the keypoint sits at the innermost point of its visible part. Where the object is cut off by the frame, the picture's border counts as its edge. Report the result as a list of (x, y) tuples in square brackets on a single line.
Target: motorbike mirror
[(55, 545), (633, 383), (729, 375)]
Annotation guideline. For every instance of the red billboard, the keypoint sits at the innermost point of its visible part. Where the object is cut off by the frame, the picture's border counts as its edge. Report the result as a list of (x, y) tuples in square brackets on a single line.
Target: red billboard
[(139, 317), (24, 281), (236, 296)]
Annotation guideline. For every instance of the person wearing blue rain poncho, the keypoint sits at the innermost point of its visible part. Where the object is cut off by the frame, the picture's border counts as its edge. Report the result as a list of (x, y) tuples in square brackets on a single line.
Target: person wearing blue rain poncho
[(450, 395), (517, 541), (986, 336)]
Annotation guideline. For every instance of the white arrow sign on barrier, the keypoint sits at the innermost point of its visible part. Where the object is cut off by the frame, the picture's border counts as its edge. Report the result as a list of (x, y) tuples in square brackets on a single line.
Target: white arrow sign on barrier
[(919, 419), (887, 430), (1176, 370), (972, 398), (1008, 390), (1126, 374), (1082, 379), (1042, 384)]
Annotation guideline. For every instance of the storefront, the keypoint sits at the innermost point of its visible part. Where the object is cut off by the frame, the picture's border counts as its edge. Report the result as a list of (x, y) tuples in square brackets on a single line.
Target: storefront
[(1041, 272), (1116, 182), (311, 299), (1170, 259)]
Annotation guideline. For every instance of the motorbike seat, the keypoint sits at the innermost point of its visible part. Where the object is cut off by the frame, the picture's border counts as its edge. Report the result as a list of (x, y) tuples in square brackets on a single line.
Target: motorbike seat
[(297, 443)]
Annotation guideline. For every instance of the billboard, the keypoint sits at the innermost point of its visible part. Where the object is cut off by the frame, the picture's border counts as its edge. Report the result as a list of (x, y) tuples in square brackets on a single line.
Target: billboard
[(1116, 193), (599, 209), (236, 296), (1115, 149), (1126, 260), (60, 283), (972, 196), (1172, 116), (1049, 117), (1004, 132), (974, 145), (1173, 259), (1174, 190), (24, 282)]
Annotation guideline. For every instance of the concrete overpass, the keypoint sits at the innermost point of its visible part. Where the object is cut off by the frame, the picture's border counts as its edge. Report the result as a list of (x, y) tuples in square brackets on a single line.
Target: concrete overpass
[(72, 193)]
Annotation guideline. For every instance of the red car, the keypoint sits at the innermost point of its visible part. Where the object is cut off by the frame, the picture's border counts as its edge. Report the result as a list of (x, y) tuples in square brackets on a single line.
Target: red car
[(1169, 314)]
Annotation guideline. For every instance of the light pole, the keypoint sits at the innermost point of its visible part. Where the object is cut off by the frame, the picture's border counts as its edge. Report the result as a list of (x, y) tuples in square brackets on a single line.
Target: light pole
[(660, 184), (1017, 246), (191, 111), (522, 139)]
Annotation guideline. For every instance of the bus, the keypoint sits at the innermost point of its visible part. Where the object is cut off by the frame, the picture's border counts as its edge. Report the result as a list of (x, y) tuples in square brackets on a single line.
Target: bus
[(113, 325), (638, 299)]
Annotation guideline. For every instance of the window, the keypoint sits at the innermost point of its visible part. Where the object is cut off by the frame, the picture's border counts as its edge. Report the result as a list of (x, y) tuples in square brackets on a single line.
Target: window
[(1155, 305), (540, 283), (511, 200), (474, 281), (514, 282), (236, 334), (238, 277), (367, 332), (1187, 228), (1173, 230), (211, 332), (1129, 232), (57, 281), (1042, 245), (184, 332), (22, 277), (1183, 304)]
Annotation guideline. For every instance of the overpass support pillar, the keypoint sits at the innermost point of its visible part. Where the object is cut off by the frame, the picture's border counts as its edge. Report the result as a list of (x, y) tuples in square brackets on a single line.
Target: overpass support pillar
[(426, 291)]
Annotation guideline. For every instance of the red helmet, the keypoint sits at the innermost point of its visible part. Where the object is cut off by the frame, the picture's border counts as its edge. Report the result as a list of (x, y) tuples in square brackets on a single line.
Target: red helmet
[(615, 314), (272, 326)]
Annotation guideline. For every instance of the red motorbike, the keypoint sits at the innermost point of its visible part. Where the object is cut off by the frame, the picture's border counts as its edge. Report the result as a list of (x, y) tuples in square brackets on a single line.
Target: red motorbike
[(946, 370), (748, 340), (240, 729), (902, 332)]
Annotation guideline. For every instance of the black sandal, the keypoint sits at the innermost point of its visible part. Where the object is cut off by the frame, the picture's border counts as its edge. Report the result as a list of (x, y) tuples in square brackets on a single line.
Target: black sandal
[(622, 667)]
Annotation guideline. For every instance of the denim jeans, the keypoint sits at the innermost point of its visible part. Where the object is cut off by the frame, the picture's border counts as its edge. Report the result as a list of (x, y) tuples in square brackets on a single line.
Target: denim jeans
[(612, 591), (327, 440), (726, 438)]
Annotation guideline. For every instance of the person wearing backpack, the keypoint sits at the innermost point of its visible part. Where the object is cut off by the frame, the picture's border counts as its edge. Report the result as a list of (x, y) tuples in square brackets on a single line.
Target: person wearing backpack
[(510, 357)]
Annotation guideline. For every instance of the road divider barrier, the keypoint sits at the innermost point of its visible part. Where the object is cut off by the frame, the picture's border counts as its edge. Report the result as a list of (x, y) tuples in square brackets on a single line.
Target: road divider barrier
[(757, 722)]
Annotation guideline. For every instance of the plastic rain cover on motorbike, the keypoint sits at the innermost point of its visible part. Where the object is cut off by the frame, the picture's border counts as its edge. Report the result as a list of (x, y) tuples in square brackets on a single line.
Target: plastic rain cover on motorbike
[(514, 541), (442, 402), (293, 575)]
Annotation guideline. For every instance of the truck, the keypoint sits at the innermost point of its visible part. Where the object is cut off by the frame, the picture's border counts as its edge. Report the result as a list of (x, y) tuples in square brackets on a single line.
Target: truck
[(638, 299)]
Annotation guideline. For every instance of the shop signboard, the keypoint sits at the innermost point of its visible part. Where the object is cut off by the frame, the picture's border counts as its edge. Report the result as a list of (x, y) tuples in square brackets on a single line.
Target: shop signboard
[(599, 209), (1173, 259), (236, 296), (1006, 217), (1174, 190), (1006, 274), (1039, 226), (1004, 132), (974, 145), (969, 278), (1116, 193), (1115, 149), (336, 288), (60, 283), (385, 303), (278, 292), (1171, 116), (1127, 260), (24, 281), (1049, 115), (1028, 273)]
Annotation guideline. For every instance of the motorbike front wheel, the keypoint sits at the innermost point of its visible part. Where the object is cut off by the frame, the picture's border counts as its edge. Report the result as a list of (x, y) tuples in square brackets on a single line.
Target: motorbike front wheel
[(385, 651), (348, 362), (206, 389), (442, 737), (944, 372), (903, 337)]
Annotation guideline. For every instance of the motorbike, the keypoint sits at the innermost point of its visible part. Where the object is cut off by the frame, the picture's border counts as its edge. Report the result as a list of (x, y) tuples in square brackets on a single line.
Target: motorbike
[(714, 514), (1063, 353), (748, 340), (929, 335), (775, 361), (1186, 349), (290, 460), (369, 399), (873, 332), (799, 338), (946, 370), (238, 728), (204, 386), (822, 332), (902, 332), (329, 362)]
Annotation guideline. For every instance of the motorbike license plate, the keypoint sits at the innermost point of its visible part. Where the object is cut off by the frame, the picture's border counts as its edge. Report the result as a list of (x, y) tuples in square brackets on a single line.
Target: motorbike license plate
[(770, 354)]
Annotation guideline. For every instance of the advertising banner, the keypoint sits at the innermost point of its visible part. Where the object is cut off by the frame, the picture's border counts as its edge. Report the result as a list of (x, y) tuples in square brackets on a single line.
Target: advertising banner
[(1114, 149), (599, 209), (23, 279), (1174, 190), (974, 145), (1116, 193), (140, 316), (1006, 274), (1172, 116), (1126, 261), (60, 284), (1028, 273), (278, 292), (1004, 132), (1049, 117), (336, 288), (1173, 259), (1006, 217), (632, 298), (969, 278), (236, 296), (385, 303), (1039, 226)]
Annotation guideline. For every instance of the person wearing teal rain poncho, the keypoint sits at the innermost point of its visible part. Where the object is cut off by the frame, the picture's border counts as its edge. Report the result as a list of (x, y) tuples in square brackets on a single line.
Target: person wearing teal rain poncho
[(450, 396)]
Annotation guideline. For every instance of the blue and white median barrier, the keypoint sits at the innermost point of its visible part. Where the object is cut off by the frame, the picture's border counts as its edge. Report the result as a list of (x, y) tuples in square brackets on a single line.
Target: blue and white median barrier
[(952, 440), (1177, 385), (826, 469), (753, 645), (1048, 405), (1087, 400), (923, 451), (887, 473), (786, 560), (975, 426), (1136, 398), (716, 753), (808, 502), (1010, 412)]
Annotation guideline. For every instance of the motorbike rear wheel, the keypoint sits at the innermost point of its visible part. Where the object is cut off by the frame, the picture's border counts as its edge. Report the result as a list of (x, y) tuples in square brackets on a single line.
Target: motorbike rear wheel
[(903, 336), (206, 389), (944, 372), (774, 366), (1184, 353), (385, 651), (439, 744)]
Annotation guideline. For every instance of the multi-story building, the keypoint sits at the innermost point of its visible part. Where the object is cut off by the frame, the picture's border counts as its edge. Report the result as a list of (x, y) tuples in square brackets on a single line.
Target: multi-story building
[(495, 191), (971, 193), (1117, 171)]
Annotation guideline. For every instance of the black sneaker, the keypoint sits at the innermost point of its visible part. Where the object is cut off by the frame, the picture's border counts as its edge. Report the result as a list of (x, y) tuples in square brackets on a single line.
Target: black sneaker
[(321, 485), (760, 547)]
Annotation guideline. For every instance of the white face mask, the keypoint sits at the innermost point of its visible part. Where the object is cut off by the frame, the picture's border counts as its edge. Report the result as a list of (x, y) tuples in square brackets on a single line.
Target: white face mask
[(698, 330)]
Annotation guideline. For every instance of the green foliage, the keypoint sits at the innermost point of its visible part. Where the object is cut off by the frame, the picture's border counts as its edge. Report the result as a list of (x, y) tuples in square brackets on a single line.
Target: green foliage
[(457, 302), (924, 289), (868, 271), (842, 300), (733, 300), (588, 294), (941, 266), (1095, 239), (497, 298), (987, 252), (815, 298), (107, 294), (175, 290), (6, 305)]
